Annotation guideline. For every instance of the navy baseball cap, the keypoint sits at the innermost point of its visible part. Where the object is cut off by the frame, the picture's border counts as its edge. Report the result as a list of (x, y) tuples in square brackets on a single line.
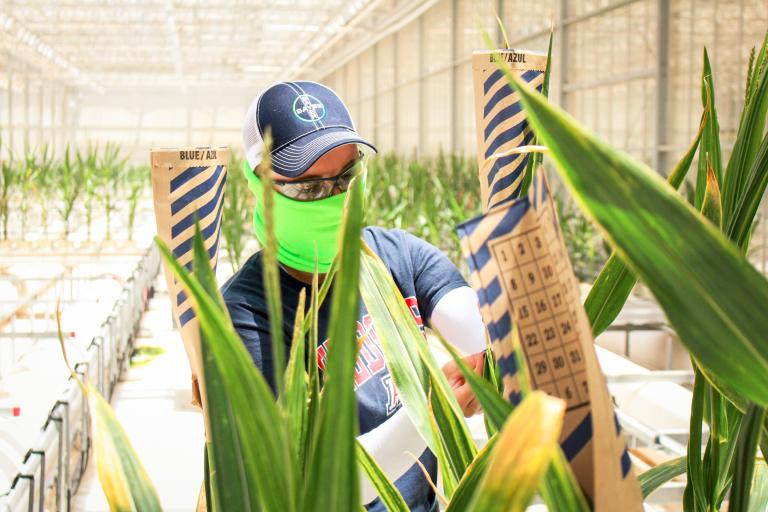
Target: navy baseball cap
[(307, 120)]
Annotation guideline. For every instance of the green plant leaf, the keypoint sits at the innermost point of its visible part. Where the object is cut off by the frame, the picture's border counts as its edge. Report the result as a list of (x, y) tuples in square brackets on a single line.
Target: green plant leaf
[(559, 489), (465, 490), (295, 399), (536, 158), (252, 441), (750, 133), (269, 261), (413, 367), (388, 493), (522, 455), (329, 482), (696, 274), (613, 285), (744, 463), (122, 476), (655, 477), (709, 152), (460, 448)]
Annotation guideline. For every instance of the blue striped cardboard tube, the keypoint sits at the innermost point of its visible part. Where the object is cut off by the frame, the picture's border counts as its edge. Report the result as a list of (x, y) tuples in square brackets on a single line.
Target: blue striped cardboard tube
[(501, 123), (188, 184), (520, 269)]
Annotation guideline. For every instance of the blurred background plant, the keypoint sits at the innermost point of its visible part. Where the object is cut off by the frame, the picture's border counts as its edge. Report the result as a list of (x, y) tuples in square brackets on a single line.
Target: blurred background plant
[(8, 177), (237, 212)]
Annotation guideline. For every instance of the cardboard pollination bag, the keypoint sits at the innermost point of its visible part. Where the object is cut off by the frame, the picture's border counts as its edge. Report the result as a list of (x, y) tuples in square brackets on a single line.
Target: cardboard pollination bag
[(188, 184), (527, 290), (501, 123)]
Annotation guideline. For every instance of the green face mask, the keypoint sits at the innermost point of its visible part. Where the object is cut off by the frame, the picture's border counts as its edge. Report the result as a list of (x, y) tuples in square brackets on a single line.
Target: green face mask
[(304, 230)]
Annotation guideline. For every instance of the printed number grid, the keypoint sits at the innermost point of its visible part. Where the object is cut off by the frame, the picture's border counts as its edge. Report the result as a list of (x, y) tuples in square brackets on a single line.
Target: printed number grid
[(538, 282)]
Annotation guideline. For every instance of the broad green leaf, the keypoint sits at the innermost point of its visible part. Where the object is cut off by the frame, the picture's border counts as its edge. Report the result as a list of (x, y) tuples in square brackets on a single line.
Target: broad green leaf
[(739, 225), (465, 491), (123, 478), (559, 489), (655, 477), (227, 473), (744, 464), (750, 133), (331, 479), (613, 285), (460, 449), (412, 365), (388, 493), (536, 158), (698, 277), (709, 152), (294, 400), (270, 269), (259, 434), (522, 455)]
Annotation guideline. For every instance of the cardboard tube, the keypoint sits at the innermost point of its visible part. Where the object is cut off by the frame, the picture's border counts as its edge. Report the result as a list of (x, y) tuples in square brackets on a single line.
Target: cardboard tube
[(501, 123), (188, 183), (523, 276)]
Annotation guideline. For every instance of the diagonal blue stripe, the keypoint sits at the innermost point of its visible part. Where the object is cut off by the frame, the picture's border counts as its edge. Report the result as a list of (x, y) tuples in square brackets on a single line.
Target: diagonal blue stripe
[(186, 316), (196, 191), (507, 365), (492, 79), (500, 328), (626, 463), (501, 116), (504, 137), (207, 208), (491, 292), (502, 162), (515, 397), (207, 231), (182, 296), (499, 95), (578, 439), (188, 174), (510, 110)]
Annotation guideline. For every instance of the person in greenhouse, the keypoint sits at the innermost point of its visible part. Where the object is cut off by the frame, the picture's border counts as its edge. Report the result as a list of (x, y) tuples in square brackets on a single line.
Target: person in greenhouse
[(314, 152)]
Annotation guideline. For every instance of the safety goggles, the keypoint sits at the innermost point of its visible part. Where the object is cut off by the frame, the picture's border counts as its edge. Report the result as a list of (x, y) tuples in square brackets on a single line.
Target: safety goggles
[(312, 189)]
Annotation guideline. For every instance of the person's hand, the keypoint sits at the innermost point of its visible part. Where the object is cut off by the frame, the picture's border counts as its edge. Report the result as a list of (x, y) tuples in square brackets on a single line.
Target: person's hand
[(461, 388)]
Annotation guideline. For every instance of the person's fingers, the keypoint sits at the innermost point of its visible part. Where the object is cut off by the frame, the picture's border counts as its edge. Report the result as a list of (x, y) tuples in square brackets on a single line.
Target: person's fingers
[(473, 407), (463, 395)]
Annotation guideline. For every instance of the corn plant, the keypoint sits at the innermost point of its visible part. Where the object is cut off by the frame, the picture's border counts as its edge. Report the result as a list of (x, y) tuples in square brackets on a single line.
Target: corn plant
[(697, 271), (7, 186), (87, 162), (109, 171), (69, 182), (44, 187), (412, 194), (134, 182), (236, 216), (27, 170)]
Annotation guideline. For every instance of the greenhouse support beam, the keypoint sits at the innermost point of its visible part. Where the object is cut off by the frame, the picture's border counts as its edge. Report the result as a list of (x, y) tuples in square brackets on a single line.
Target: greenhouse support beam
[(662, 85)]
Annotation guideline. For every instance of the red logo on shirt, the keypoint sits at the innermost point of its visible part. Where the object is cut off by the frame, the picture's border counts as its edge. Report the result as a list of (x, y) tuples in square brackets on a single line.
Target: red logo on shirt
[(370, 361)]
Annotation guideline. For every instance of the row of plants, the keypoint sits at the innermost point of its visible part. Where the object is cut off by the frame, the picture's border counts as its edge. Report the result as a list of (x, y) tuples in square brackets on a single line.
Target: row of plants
[(298, 452), (78, 186)]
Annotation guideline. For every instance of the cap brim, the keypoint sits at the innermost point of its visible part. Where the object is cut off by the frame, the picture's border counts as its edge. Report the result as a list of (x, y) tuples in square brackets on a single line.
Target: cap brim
[(297, 157)]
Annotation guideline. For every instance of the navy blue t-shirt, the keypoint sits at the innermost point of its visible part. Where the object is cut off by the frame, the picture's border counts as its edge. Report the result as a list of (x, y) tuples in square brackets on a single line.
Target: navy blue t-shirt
[(422, 273)]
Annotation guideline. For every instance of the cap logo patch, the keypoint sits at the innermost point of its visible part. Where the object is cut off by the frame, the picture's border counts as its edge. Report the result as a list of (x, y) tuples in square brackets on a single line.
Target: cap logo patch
[(308, 108)]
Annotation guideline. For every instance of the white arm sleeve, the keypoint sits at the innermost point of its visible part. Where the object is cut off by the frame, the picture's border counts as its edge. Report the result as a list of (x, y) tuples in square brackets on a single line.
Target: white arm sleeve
[(457, 317), (387, 444)]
